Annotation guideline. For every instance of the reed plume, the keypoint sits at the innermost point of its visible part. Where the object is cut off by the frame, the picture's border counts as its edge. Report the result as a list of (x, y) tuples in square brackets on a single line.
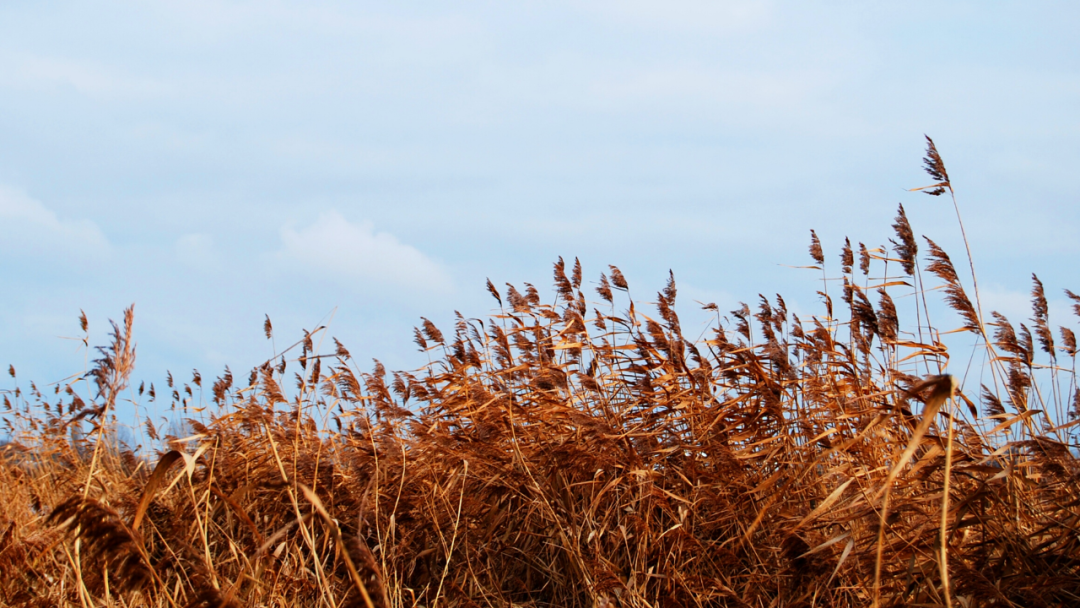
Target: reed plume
[(565, 452), (955, 296)]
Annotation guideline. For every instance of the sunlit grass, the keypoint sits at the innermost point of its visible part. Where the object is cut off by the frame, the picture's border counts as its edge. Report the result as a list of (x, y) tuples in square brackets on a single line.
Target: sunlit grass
[(578, 453)]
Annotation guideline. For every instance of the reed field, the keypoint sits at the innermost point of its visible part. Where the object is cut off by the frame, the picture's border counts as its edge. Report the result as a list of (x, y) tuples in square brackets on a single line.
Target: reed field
[(582, 453)]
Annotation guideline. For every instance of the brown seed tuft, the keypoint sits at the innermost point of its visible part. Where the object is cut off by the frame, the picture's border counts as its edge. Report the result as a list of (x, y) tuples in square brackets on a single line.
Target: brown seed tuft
[(957, 299), (906, 246), (1041, 317), (847, 258), (934, 166), (815, 249), (617, 279), (108, 544)]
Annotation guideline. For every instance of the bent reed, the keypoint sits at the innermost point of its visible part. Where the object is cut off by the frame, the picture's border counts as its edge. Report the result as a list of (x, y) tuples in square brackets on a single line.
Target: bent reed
[(580, 454)]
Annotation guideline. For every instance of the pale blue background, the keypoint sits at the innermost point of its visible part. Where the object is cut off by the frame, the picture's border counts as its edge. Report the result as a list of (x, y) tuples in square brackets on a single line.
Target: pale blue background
[(216, 161)]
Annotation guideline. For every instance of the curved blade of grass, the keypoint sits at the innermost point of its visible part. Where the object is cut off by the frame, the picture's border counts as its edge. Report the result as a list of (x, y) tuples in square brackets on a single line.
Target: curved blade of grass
[(152, 484)]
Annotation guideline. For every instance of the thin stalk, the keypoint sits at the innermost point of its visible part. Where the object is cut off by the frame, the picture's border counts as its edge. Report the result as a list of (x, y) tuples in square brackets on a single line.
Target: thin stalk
[(978, 299), (971, 262), (944, 563)]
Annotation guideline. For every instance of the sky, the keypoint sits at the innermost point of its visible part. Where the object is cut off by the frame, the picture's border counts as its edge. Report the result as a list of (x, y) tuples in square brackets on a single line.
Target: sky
[(364, 165)]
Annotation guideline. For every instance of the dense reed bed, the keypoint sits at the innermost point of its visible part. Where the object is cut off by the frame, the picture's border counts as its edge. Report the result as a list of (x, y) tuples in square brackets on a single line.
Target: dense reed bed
[(580, 453)]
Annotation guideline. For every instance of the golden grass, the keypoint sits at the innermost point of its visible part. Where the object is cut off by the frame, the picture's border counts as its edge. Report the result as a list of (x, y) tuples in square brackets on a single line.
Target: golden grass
[(578, 454)]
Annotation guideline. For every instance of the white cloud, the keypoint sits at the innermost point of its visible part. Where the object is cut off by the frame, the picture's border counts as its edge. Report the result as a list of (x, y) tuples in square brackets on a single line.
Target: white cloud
[(335, 247), (32, 228)]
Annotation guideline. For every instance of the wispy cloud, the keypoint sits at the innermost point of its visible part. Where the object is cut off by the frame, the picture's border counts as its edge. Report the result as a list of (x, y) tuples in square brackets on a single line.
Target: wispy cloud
[(698, 15), (32, 228), (26, 71), (707, 87), (335, 247)]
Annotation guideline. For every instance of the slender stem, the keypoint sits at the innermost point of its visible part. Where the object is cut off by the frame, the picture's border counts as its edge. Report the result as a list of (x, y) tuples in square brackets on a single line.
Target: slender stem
[(880, 545), (944, 565), (920, 293), (971, 261), (978, 300)]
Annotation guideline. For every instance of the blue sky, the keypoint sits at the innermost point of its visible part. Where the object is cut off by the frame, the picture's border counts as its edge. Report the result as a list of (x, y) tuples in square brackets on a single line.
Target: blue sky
[(213, 162)]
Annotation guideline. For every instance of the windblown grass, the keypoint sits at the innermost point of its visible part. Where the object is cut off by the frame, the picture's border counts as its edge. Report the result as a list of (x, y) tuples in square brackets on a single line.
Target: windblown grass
[(580, 453)]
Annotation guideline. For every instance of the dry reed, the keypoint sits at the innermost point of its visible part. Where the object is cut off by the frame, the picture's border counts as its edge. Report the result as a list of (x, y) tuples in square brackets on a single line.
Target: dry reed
[(575, 454)]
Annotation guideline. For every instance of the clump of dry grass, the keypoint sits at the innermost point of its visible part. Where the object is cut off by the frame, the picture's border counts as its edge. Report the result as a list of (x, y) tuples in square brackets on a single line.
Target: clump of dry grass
[(577, 453)]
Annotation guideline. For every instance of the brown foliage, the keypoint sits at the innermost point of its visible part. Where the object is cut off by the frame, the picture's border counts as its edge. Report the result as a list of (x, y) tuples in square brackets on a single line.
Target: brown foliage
[(548, 459)]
